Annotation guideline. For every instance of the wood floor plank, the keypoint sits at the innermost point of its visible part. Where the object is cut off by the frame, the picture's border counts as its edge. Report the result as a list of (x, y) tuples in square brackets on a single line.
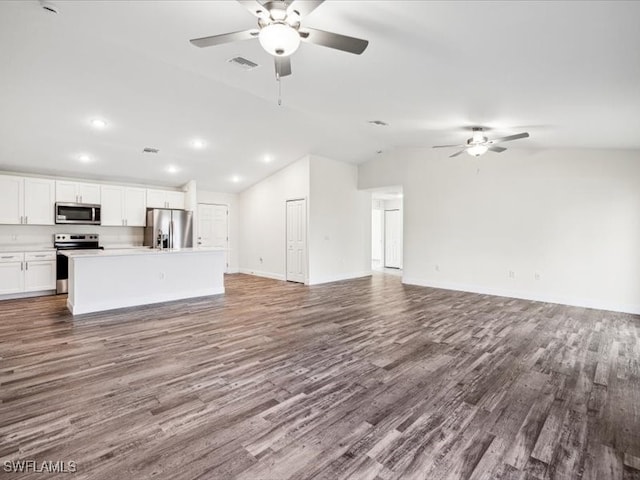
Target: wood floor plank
[(360, 379)]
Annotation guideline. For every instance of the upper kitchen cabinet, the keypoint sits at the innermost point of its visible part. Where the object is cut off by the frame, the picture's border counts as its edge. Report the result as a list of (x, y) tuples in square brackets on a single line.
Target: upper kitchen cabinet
[(123, 206), (26, 200), (165, 199), (77, 192)]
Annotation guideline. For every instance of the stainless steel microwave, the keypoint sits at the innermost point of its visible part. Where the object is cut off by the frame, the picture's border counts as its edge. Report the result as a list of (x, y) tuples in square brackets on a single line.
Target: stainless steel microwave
[(78, 213)]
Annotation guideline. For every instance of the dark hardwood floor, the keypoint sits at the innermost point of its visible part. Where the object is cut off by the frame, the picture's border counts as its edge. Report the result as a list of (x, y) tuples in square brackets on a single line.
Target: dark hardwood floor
[(363, 379)]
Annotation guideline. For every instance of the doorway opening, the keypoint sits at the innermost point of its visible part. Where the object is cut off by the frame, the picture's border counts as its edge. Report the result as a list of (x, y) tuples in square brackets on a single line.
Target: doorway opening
[(213, 228), (387, 231)]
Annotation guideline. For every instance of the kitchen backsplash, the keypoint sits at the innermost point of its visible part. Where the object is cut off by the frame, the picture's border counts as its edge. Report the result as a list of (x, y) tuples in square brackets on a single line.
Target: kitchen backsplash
[(42, 235)]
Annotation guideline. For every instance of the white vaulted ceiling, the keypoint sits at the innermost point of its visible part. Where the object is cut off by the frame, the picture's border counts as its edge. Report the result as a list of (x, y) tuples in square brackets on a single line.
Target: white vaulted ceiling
[(567, 72)]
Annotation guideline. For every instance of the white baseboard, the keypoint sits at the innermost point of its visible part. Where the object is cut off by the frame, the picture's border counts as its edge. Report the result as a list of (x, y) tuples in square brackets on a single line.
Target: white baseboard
[(337, 278), (535, 296), (257, 273), (13, 296)]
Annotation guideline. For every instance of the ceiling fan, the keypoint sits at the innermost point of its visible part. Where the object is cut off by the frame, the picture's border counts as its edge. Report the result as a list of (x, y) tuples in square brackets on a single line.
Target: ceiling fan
[(280, 32), (478, 144)]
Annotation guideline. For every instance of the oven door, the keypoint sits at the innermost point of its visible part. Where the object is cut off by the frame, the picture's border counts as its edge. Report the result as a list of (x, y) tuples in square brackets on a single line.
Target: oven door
[(77, 213)]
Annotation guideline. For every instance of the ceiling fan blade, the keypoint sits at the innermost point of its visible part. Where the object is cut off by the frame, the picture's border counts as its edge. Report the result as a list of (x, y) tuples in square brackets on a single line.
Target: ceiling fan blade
[(283, 66), (255, 7), (457, 153), (509, 138), (497, 149), (224, 38), (333, 40), (447, 146), (304, 8)]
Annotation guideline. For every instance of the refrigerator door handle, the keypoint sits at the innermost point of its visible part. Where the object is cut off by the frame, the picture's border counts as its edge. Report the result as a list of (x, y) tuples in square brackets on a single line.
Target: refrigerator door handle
[(171, 231)]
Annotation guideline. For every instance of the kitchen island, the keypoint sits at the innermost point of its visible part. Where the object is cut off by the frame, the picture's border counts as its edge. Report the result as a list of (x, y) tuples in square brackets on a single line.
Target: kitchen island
[(108, 279)]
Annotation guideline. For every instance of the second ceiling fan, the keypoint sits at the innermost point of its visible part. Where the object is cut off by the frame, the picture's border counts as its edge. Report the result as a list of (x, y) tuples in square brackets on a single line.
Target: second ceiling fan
[(280, 32), (478, 144)]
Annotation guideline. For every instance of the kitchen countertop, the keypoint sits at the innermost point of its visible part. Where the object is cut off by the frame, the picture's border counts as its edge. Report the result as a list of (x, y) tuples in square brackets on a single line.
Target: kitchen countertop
[(134, 252), (25, 248)]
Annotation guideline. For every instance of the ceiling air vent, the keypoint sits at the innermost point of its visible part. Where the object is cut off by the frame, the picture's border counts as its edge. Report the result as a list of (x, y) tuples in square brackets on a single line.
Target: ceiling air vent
[(379, 123), (243, 63), (150, 150)]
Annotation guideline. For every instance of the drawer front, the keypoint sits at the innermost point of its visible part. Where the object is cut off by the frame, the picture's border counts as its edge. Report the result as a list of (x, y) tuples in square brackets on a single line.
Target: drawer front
[(11, 257), (31, 256)]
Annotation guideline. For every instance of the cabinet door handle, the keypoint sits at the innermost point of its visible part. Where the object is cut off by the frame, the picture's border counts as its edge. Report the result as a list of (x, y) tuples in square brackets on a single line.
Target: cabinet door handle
[(126, 222), (80, 198), (4, 258), (26, 219), (21, 220), (21, 266), (26, 265), (39, 256)]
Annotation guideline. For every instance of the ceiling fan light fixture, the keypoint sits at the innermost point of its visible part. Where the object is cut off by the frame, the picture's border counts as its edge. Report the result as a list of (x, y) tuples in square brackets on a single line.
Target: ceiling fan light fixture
[(477, 150), (279, 39)]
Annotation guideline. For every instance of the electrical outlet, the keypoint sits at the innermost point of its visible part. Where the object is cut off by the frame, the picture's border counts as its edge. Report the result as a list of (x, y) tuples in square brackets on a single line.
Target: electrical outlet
[(437, 267), (161, 275), (512, 274), (260, 259), (14, 237), (537, 276)]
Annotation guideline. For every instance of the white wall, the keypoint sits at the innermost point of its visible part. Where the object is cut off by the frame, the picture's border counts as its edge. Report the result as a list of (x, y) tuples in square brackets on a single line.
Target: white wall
[(263, 216), (232, 201), (566, 222), (339, 223)]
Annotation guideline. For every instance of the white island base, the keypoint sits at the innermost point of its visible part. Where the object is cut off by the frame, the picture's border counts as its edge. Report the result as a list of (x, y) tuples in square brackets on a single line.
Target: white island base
[(110, 279)]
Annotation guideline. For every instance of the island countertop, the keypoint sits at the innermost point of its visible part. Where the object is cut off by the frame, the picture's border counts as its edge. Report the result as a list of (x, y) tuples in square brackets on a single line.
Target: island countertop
[(119, 252)]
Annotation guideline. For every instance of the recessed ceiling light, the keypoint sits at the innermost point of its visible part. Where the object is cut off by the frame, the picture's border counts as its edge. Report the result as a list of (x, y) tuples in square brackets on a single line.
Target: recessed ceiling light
[(172, 169), (235, 179), (267, 158), (197, 143), (98, 123), (83, 157)]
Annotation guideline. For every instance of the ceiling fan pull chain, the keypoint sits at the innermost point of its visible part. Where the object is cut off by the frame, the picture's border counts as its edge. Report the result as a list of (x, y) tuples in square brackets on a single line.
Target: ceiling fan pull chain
[(279, 90)]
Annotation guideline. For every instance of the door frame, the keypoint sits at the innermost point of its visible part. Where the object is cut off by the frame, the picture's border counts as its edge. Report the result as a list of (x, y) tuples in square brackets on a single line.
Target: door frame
[(306, 241)]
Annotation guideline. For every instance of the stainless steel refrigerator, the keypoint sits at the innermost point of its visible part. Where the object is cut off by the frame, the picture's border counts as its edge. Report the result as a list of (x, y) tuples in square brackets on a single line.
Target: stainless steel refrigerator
[(168, 228)]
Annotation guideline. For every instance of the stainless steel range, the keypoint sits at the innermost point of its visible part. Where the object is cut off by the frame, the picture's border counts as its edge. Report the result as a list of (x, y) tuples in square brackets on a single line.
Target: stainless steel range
[(71, 241)]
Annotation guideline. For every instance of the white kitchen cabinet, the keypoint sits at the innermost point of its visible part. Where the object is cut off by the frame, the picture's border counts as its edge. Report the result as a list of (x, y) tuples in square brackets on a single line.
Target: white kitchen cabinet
[(135, 207), (165, 199), (77, 192), (123, 206), (39, 201), (11, 273), (11, 199), (39, 271), (27, 272), (26, 200)]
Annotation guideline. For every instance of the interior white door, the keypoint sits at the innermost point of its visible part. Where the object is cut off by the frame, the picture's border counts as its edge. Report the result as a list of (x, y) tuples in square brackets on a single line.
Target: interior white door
[(296, 240), (213, 227), (392, 239)]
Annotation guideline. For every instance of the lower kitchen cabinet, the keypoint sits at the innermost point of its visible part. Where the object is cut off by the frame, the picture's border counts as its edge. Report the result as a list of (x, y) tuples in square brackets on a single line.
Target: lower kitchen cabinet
[(11, 277), (27, 272)]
